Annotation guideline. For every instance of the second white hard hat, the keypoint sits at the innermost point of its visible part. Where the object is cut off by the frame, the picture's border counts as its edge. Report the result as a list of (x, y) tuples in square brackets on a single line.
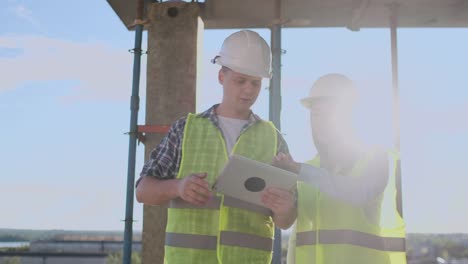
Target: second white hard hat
[(246, 52), (331, 86)]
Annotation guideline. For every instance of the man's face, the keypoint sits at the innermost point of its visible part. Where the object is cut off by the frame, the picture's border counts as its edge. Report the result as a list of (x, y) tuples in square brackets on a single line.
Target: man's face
[(329, 121), (240, 90)]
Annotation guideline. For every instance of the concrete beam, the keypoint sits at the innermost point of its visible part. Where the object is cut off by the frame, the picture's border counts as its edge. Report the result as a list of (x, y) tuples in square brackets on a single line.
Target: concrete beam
[(174, 42), (220, 14)]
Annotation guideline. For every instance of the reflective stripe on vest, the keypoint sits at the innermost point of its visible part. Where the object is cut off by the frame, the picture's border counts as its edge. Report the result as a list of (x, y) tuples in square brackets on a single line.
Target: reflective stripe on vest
[(351, 237), (237, 239), (227, 238), (215, 202), (191, 241)]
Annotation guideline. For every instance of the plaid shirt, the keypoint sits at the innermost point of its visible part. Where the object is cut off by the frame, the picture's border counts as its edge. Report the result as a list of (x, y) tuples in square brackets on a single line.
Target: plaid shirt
[(165, 159)]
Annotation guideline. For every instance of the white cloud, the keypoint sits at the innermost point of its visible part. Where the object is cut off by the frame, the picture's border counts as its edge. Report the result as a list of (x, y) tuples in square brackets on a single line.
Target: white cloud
[(103, 72), (23, 13)]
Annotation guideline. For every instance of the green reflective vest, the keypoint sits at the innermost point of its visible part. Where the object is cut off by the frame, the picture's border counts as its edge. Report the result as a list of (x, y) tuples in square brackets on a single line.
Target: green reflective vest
[(226, 230), (329, 230)]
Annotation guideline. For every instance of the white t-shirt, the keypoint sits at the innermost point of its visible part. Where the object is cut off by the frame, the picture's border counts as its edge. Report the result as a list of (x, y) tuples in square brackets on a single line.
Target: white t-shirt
[(231, 129)]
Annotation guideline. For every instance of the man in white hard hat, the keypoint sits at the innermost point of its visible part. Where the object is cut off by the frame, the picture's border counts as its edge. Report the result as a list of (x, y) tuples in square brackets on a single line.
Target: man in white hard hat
[(347, 210), (206, 227)]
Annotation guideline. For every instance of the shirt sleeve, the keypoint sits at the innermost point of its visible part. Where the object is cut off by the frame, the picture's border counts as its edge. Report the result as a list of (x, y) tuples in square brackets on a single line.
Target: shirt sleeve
[(355, 190), (165, 159)]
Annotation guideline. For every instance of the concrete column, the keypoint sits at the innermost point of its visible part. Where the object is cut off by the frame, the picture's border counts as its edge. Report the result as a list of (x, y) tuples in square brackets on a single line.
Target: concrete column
[(174, 43)]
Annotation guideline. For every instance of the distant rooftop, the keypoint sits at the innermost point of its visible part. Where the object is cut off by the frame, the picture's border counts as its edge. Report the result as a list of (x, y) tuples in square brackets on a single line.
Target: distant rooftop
[(93, 237)]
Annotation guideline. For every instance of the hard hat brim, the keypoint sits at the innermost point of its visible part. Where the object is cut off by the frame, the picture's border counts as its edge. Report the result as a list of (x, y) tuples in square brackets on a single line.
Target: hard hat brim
[(308, 102), (218, 60)]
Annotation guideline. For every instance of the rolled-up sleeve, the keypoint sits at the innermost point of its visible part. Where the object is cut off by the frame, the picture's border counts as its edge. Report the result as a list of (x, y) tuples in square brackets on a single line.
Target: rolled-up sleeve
[(165, 158)]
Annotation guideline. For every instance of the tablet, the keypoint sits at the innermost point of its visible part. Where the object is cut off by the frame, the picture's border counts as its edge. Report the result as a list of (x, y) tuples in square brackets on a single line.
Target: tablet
[(245, 179)]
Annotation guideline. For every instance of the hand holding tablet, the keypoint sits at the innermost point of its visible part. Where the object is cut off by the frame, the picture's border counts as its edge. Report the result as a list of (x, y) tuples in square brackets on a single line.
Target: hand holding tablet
[(245, 179)]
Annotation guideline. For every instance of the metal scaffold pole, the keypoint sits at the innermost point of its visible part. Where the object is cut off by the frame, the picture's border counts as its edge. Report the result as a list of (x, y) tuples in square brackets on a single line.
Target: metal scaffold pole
[(134, 106), (396, 102), (275, 103)]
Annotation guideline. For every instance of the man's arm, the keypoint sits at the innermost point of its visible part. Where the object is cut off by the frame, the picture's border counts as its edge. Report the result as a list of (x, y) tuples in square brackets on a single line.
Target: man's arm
[(157, 183), (281, 202), (153, 191), (355, 190), (192, 189)]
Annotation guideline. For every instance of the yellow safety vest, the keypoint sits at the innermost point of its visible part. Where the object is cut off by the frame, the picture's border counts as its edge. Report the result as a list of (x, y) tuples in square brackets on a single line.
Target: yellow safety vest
[(226, 230), (329, 230)]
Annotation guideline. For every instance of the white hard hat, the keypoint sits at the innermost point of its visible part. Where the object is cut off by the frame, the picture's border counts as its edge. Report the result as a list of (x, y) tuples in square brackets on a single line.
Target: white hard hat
[(246, 52), (331, 86)]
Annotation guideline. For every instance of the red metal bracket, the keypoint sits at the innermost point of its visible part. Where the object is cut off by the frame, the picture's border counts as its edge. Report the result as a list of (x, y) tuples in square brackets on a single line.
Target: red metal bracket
[(154, 129), (143, 129)]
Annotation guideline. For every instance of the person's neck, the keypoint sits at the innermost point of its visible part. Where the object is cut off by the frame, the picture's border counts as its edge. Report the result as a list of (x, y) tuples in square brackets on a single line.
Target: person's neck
[(224, 111)]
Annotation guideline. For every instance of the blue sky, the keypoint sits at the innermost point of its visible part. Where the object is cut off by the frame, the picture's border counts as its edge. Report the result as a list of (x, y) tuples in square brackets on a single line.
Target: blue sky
[(64, 104)]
